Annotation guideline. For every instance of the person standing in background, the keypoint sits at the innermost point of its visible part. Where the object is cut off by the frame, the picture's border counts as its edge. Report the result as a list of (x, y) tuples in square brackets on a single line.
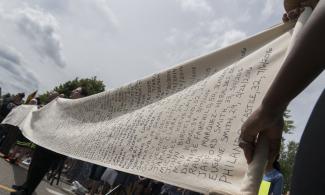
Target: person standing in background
[(43, 158), (9, 133)]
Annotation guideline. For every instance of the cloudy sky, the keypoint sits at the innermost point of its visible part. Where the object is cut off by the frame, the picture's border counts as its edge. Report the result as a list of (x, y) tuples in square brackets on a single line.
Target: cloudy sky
[(46, 42)]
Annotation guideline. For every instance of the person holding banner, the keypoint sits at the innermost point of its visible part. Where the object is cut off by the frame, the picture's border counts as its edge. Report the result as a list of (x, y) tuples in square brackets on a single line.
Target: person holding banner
[(9, 133), (302, 65), (17, 144), (43, 158)]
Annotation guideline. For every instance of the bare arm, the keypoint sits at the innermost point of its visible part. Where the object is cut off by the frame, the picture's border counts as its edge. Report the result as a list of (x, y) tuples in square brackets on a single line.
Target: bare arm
[(304, 63)]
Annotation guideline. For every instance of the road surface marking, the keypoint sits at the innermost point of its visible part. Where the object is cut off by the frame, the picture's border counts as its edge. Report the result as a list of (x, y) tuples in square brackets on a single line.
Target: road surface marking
[(53, 192), (2, 187)]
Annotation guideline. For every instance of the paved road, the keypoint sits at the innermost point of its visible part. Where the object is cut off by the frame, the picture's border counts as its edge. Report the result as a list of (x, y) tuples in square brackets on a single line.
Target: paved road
[(11, 174)]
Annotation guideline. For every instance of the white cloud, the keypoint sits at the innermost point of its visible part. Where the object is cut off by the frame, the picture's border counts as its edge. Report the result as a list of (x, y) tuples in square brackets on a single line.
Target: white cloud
[(59, 6), (205, 37), (9, 54), (102, 8), (200, 6), (232, 36), (222, 33), (14, 76), (42, 30), (87, 15), (270, 7)]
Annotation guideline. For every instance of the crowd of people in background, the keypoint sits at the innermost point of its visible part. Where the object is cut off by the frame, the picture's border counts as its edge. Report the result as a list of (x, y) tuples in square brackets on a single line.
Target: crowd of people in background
[(83, 177)]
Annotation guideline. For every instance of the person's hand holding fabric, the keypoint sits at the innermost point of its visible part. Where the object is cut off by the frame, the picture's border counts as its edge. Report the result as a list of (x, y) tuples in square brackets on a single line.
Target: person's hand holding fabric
[(267, 121), (302, 65), (294, 8)]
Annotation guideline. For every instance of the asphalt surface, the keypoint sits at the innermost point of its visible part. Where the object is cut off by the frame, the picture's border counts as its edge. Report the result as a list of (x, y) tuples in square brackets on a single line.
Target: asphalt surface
[(13, 174)]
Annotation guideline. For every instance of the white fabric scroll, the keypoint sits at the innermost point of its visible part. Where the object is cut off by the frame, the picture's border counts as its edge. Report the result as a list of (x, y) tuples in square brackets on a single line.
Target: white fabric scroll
[(179, 126)]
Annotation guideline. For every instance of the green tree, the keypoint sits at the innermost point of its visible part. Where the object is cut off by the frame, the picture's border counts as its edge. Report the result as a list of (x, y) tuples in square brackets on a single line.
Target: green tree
[(287, 152), (287, 159), (288, 123), (90, 85)]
